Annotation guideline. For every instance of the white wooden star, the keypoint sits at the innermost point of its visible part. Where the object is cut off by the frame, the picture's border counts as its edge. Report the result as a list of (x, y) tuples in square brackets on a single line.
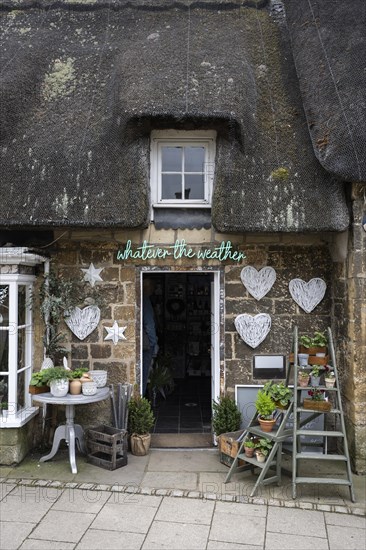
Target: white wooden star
[(115, 333), (92, 274)]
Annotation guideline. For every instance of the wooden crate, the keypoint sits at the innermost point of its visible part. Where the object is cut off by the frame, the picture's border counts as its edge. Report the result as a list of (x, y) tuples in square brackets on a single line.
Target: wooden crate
[(107, 447), (228, 447)]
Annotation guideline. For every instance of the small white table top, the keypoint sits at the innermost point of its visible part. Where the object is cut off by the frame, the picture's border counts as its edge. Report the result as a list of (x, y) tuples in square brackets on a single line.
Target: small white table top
[(68, 399)]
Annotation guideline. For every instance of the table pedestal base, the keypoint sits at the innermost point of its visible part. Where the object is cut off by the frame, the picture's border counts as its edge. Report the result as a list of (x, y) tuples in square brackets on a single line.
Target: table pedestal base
[(71, 433)]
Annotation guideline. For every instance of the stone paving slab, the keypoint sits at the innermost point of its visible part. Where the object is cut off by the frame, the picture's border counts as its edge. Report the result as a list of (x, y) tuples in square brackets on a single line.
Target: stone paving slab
[(277, 541), (62, 526), (345, 537), (176, 536), (186, 511), (296, 522), (131, 519), (235, 528), (214, 545), (37, 544), (171, 480), (12, 534), (27, 504), (97, 539)]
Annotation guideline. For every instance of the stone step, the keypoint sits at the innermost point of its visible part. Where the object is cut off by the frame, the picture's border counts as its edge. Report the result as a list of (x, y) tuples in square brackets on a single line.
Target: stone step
[(184, 440)]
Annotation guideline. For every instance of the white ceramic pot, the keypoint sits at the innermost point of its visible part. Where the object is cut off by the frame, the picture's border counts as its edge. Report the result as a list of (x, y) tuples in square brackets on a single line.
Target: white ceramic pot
[(89, 388), (59, 388), (99, 377)]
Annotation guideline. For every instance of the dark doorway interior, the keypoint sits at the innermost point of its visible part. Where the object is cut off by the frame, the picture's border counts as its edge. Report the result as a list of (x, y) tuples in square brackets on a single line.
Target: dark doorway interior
[(182, 307)]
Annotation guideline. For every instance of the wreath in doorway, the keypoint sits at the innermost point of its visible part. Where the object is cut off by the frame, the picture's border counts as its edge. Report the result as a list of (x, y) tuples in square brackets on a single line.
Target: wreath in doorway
[(175, 306)]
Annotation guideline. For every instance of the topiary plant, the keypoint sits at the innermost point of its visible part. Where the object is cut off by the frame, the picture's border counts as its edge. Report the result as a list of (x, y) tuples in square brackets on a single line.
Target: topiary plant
[(226, 416), (140, 416)]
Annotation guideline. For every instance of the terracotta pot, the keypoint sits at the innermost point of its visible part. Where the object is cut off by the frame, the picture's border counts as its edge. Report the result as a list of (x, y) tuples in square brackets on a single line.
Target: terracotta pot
[(266, 425), (303, 382), (249, 451)]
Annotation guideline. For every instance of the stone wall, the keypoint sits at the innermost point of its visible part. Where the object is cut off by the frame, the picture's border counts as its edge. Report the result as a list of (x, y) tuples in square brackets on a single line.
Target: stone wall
[(15, 443), (291, 256), (349, 319)]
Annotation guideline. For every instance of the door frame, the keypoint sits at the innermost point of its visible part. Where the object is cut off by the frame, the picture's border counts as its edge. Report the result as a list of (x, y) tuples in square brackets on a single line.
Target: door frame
[(217, 320)]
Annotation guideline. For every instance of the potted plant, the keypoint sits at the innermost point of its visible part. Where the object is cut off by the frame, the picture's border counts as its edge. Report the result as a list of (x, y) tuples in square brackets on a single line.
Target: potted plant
[(280, 393), (316, 401), (262, 449), (312, 345), (160, 380), (315, 376), (329, 378), (226, 416), (320, 341), (38, 382), (249, 447), (75, 380), (140, 422), (58, 381), (303, 378), (265, 407)]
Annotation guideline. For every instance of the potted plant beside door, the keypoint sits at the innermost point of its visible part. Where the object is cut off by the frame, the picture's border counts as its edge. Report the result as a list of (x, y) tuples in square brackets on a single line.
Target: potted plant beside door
[(140, 422)]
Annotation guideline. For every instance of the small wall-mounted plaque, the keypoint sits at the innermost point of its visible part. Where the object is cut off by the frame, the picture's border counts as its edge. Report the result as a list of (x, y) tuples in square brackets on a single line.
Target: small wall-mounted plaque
[(269, 366)]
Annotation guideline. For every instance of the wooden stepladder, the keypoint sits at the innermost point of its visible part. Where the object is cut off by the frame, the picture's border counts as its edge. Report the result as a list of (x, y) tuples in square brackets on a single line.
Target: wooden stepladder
[(277, 437), (339, 452)]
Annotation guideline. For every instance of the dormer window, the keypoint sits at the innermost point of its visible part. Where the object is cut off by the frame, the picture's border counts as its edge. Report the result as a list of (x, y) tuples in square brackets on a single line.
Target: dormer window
[(182, 168)]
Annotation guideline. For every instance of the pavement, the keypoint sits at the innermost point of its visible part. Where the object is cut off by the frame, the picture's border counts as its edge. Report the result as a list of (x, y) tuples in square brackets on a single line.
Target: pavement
[(173, 499)]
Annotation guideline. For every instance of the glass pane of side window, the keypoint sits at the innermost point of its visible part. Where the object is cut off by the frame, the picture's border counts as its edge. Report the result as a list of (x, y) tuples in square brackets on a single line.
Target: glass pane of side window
[(171, 186), (194, 159), (21, 390), (171, 159), (3, 392), (4, 305), (194, 186), (21, 305)]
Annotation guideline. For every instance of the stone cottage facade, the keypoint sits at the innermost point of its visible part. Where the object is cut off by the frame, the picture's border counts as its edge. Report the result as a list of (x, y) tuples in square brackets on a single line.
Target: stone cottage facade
[(183, 142)]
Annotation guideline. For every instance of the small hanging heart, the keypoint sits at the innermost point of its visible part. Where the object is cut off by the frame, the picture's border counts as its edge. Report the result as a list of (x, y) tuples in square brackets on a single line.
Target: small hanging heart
[(258, 283), (82, 322), (307, 295), (253, 329)]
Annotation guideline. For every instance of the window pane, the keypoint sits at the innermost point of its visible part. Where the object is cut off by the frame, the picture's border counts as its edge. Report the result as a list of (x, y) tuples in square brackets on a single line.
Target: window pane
[(194, 186), (4, 392), (21, 305), (194, 158), (21, 390), (21, 348), (4, 305), (171, 159), (171, 186)]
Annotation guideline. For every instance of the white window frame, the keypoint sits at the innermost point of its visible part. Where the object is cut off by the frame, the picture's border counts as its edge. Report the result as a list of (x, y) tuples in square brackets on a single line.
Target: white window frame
[(163, 138), (17, 415)]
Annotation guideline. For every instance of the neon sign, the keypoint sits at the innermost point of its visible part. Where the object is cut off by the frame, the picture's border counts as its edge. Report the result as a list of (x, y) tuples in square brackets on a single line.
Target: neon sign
[(180, 249)]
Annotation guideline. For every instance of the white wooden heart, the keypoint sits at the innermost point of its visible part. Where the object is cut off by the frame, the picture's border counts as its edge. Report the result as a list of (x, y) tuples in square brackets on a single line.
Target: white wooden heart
[(82, 322), (307, 295), (258, 283), (253, 329)]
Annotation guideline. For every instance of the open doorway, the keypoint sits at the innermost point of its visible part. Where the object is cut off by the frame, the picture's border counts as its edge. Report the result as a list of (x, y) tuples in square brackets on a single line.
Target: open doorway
[(183, 307)]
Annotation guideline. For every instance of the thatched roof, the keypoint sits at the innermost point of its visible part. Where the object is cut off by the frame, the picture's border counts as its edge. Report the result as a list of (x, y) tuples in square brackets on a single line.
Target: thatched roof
[(84, 83), (329, 48)]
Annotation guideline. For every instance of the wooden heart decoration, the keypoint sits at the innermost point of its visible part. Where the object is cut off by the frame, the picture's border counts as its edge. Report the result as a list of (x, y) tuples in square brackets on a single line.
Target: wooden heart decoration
[(82, 322), (258, 283), (307, 295), (253, 329)]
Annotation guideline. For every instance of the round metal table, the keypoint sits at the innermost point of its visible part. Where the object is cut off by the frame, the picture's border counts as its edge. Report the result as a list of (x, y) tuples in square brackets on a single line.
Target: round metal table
[(70, 432)]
